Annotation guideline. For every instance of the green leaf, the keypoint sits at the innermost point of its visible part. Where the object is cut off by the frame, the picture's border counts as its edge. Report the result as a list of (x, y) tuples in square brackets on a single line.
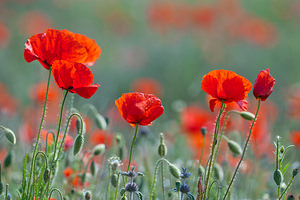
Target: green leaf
[(285, 168), (24, 174)]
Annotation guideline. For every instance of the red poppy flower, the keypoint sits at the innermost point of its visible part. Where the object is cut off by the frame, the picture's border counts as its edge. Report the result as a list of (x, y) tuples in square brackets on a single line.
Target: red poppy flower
[(139, 108), (75, 77), (54, 45), (93, 50), (295, 138), (227, 86), (263, 85)]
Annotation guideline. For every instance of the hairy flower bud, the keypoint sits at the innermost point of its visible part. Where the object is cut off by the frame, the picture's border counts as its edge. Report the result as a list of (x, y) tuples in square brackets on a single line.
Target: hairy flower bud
[(46, 175), (247, 115), (218, 172), (278, 177), (234, 147), (174, 170), (78, 144), (114, 180), (100, 121), (9, 134)]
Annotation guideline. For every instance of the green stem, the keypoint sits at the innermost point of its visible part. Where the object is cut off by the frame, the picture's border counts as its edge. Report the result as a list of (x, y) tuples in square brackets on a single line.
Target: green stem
[(155, 174), (45, 160), (213, 147), (162, 180), (244, 150), (129, 162), (287, 188), (58, 191), (39, 133), (117, 188)]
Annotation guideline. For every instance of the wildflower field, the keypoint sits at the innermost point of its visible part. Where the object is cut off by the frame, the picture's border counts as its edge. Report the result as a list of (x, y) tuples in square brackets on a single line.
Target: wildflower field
[(153, 100)]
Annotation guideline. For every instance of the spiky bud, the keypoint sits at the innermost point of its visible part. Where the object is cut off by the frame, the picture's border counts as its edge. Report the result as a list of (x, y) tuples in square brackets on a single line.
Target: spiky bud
[(99, 149), (218, 172), (174, 170), (114, 180), (247, 115), (78, 144), (10, 135), (131, 187), (278, 177), (234, 147)]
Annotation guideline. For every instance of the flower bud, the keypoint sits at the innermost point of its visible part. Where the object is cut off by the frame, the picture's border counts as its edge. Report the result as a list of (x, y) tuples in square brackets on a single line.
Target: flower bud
[(218, 172), (93, 168), (1, 187), (234, 147), (78, 144), (162, 150), (87, 195), (282, 149), (174, 170), (204, 131), (201, 170), (8, 160), (9, 134), (278, 177), (78, 126), (295, 172), (100, 121), (247, 115), (46, 175), (99, 149), (291, 197), (114, 180)]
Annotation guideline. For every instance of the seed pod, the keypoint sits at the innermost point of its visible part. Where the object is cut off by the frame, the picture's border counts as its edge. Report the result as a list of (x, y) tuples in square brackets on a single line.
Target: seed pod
[(1, 187), (9, 134), (114, 180), (100, 121), (247, 115), (87, 195), (162, 150), (174, 170), (78, 144), (295, 172), (93, 168), (46, 175), (234, 147), (218, 172), (278, 177), (204, 131), (8, 160), (99, 149)]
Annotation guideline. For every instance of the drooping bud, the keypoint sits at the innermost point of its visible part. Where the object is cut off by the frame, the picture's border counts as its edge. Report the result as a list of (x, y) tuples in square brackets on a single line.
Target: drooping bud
[(9, 134), (99, 149), (234, 147), (218, 172), (247, 115), (78, 126), (46, 175), (201, 170), (114, 180), (93, 168), (8, 160), (78, 144), (204, 131), (100, 121), (174, 170), (278, 177)]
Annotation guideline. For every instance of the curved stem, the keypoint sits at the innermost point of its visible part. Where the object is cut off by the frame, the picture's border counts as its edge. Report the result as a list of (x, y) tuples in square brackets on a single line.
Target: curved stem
[(58, 191), (53, 136), (40, 128), (155, 174), (244, 150), (213, 148), (129, 162), (46, 161)]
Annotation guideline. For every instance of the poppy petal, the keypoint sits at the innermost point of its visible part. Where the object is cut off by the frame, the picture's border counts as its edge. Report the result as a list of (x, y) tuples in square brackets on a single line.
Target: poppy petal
[(87, 92)]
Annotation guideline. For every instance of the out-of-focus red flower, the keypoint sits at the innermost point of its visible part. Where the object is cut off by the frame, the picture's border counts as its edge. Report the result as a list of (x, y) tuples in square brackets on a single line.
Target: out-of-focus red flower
[(293, 99), (203, 16), (3, 154), (38, 93), (75, 77), (68, 172), (101, 137), (193, 118), (34, 22), (69, 141), (93, 50), (227, 86), (8, 103), (147, 85), (263, 85), (87, 124), (295, 138), (54, 45), (5, 35), (139, 108)]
